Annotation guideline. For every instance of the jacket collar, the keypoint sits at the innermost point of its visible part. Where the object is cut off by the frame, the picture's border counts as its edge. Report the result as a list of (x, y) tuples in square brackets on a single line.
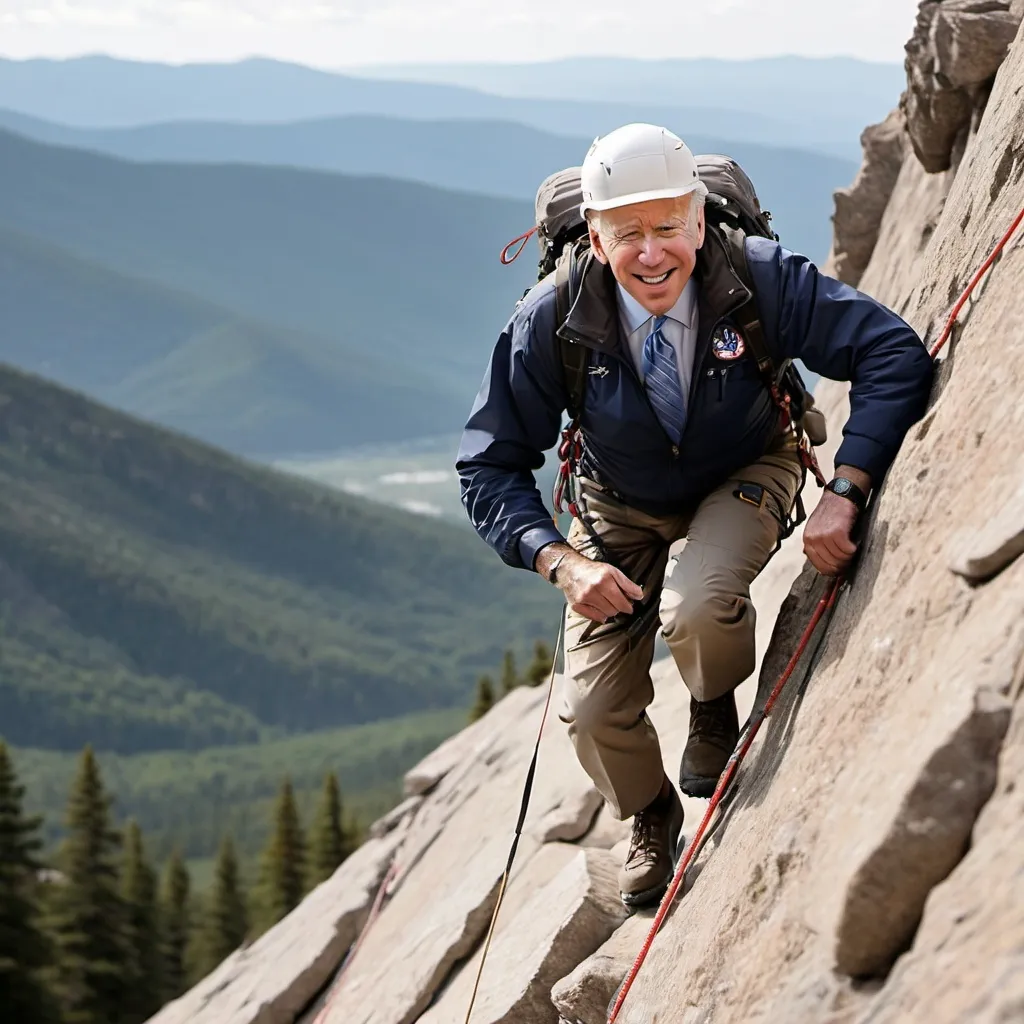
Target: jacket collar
[(593, 315)]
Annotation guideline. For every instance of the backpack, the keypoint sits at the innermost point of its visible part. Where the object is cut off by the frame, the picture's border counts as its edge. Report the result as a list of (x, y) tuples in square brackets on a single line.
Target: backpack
[(732, 210)]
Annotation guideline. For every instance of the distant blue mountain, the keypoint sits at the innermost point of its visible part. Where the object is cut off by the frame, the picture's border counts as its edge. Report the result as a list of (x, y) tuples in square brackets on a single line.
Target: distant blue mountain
[(841, 87), (272, 309), (103, 92), (491, 157)]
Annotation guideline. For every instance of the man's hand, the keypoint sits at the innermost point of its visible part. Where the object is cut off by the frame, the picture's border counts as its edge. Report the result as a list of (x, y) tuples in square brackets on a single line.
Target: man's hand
[(827, 536), (595, 590)]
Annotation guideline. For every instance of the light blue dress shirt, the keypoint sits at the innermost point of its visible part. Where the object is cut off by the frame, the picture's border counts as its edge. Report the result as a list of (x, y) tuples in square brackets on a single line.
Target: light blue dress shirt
[(680, 330)]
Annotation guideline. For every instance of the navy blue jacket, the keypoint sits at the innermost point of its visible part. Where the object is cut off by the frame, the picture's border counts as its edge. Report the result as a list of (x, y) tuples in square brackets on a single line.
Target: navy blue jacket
[(835, 330)]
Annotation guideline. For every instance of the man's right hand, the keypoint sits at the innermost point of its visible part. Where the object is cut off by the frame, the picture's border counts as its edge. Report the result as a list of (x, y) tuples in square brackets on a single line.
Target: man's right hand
[(596, 590)]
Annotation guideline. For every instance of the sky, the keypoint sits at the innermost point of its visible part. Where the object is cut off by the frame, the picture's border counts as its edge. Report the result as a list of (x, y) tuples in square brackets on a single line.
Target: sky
[(347, 33)]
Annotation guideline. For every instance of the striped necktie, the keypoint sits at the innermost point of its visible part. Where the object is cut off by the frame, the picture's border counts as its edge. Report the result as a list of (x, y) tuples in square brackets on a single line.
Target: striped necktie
[(661, 379)]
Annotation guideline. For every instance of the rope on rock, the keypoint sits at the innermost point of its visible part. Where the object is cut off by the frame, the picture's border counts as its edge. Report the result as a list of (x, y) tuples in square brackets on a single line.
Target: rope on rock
[(375, 909), (750, 732), (979, 274), (523, 806), (725, 779)]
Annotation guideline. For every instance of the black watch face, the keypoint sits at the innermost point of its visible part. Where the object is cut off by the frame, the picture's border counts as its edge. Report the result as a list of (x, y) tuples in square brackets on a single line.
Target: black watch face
[(841, 487)]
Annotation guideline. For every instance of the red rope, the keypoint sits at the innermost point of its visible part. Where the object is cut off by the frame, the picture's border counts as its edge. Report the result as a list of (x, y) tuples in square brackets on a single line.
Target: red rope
[(375, 909), (522, 240), (826, 603), (966, 294)]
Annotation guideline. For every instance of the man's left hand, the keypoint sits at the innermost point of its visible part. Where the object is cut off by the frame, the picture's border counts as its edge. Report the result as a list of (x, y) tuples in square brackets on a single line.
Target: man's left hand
[(828, 541)]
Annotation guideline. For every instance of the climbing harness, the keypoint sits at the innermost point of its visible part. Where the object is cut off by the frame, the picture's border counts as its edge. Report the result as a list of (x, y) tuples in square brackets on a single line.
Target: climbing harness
[(750, 730)]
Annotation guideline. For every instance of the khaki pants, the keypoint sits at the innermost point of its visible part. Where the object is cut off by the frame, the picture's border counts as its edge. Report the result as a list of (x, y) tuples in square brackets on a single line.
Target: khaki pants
[(705, 615)]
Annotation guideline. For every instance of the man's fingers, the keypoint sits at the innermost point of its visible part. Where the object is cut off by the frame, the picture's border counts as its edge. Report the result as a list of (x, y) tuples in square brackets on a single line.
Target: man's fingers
[(598, 598), (627, 586), (590, 612), (613, 594), (820, 558), (843, 542)]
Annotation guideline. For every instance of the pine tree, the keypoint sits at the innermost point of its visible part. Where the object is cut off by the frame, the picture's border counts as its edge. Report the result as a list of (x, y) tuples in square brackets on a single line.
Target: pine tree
[(484, 698), (143, 967), (509, 679), (89, 915), (23, 947), (539, 670), (284, 860), (174, 917), (226, 918), (330, 842)]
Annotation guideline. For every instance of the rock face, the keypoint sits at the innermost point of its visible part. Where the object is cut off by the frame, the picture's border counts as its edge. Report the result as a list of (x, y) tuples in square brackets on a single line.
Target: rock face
[(868, 868), (860, 208), (955, 51)]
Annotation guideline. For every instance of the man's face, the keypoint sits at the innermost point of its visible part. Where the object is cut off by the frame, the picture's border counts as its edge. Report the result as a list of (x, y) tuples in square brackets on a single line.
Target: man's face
[(651, 248)]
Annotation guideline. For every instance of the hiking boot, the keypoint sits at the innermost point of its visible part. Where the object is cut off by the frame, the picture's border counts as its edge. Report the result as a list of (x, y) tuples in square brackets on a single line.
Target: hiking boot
[(650, 862), (714, 732)]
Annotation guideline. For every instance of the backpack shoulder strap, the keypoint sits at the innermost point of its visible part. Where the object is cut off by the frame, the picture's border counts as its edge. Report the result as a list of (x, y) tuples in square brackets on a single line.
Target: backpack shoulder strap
[(574, 357), (748, 316)]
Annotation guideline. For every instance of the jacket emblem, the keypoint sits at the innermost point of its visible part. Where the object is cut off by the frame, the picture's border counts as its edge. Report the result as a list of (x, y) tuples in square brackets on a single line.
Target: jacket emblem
[(727, 343)]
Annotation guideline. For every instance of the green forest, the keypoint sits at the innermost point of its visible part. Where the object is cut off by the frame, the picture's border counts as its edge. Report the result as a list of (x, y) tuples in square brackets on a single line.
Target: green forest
[(98, 934), (103, 925), (159, 594)]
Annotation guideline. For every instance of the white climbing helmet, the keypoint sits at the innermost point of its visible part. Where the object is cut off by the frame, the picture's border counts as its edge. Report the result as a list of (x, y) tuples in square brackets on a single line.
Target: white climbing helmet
[(635, 163)]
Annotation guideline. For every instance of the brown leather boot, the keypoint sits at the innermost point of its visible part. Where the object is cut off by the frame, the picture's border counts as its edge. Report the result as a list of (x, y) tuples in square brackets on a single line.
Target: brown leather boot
[(714, 732), (651, 858)]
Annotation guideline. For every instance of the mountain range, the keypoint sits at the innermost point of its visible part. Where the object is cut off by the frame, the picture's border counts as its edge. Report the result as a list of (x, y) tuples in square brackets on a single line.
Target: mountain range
[(493, 157), (272, 309), (104, 92), (277, 310), (156, 593)]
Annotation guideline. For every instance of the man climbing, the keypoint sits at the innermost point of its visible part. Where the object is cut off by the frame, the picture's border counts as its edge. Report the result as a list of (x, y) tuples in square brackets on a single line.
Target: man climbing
[(681, 437)]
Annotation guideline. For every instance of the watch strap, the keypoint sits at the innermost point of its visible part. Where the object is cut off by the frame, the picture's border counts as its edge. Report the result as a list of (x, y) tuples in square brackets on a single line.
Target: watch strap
[(846, 488)]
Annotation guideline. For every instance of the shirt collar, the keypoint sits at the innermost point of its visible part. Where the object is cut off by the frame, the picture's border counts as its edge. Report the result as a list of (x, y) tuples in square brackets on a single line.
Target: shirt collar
[(636, 316)]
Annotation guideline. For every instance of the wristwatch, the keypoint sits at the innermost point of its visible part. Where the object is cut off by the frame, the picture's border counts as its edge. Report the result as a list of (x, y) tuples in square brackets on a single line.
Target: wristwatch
[(848, 489)]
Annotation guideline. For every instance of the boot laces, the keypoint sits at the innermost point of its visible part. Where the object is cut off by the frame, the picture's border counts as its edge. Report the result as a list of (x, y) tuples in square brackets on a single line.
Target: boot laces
[(713, 721), (643, 847)]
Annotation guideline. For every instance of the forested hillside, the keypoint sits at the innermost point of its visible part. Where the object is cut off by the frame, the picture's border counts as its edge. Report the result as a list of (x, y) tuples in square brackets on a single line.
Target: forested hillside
[(156, 593)]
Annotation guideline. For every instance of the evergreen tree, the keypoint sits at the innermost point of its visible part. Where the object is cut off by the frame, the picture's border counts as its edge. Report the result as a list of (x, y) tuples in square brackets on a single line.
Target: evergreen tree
[(88, 917), (174, 917), (539, 670), (284, 860), (226, 919), (23, 947), (143, 967), (509, 679), (330, 842), (484, 698)]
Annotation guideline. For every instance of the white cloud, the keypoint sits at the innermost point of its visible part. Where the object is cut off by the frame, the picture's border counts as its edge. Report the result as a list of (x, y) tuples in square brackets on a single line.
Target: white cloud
[(336, 33)]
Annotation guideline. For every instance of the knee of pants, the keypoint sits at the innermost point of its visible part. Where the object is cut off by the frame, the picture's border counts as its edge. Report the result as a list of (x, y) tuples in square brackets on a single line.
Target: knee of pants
[(588, 712), (699, 612)]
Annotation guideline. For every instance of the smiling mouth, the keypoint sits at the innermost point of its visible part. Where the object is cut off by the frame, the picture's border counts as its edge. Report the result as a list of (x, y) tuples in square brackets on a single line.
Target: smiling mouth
[(660, 279)]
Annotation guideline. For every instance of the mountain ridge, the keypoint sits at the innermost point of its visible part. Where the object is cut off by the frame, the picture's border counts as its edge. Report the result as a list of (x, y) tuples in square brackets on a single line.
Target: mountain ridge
[(156, 592), (104, 92)]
